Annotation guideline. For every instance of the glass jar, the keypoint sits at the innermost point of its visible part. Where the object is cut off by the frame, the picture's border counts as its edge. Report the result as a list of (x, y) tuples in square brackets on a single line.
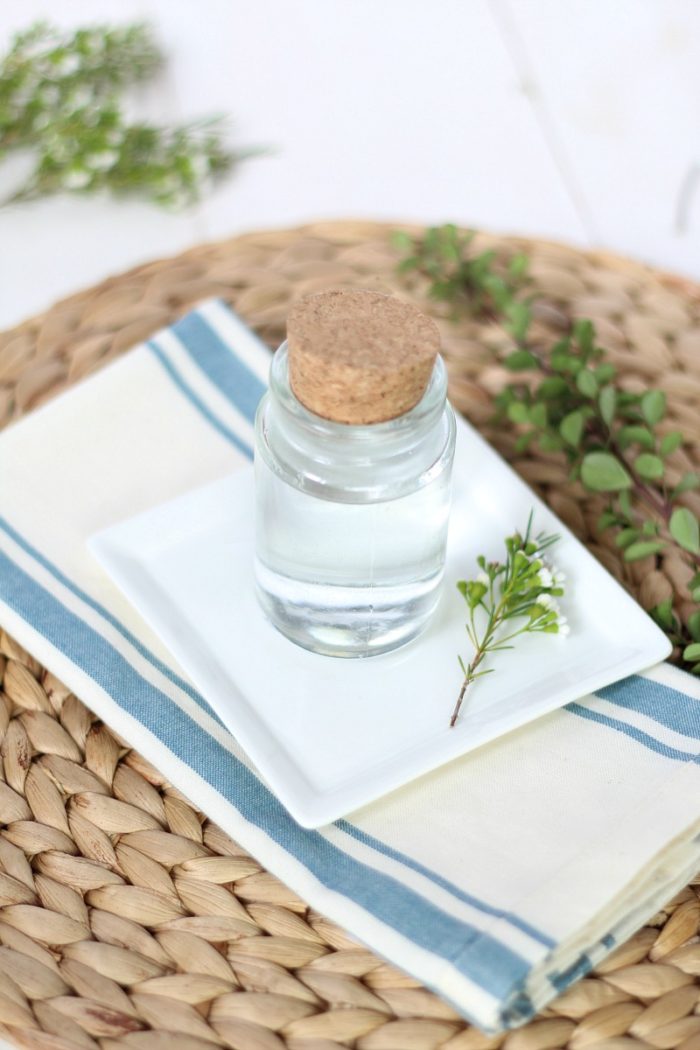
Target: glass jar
[(351, 520)]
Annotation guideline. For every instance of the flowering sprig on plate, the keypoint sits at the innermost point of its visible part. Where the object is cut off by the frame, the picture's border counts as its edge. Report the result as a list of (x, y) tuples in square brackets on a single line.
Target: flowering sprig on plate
[(524, 589)]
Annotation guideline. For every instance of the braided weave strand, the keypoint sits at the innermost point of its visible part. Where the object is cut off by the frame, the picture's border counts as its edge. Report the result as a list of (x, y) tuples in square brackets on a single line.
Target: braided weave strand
[(127, 919)]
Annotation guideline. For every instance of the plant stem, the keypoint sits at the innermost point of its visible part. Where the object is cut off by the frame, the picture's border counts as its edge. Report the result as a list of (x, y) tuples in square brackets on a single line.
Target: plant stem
[(495, 616), (468, 679)]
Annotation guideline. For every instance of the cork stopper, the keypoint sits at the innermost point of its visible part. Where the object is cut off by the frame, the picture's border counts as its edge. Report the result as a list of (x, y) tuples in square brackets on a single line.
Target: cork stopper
[(358, 356)]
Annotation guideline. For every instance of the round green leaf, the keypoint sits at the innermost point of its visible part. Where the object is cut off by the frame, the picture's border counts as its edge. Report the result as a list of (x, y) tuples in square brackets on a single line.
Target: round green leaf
[(538, 414), (670, 442), (606, 519), (654, 406), (626, 537), (688, 481), (663, 614), (518, 412), (603, 472), (519, 316), (692, 651), (520, 360), (624, 503), (605, 372), (517, 267), (571, 428), (523, 440), (685, 529), (649, 466), (587, 383), (642, 549), (584, 333), (553, 386), (607, 403), (635, 435), (550, 442), (694, 625)]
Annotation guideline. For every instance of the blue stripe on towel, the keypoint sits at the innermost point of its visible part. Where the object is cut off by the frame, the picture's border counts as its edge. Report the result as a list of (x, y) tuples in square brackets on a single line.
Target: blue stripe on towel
[(636, 734), (196, 400), (220, 364), (579, 968), (477, 955), (445, 884), (665, 705), (107, 615)]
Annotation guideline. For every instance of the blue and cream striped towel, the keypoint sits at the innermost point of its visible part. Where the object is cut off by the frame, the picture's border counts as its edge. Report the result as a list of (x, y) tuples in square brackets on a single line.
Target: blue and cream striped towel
[(497, 880)]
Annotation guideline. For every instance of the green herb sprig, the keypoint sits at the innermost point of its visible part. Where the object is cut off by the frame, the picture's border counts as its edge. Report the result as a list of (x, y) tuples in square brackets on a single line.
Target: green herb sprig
[(565, 398), (60, 98), (521, 590)]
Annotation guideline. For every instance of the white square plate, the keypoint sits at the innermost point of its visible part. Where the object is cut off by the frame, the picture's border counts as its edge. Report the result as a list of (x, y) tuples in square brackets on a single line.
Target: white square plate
[(331, 735)]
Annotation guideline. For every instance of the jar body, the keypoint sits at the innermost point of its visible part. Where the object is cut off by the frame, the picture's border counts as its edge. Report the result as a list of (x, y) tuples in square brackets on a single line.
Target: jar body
[(351, 521)]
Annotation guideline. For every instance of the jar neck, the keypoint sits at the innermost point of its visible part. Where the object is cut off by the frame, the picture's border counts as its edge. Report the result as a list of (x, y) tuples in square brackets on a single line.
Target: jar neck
[(317, 454)]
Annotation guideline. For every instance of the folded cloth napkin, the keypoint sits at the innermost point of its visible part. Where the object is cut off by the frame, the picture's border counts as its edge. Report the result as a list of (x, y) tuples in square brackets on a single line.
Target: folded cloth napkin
[(497, 880)]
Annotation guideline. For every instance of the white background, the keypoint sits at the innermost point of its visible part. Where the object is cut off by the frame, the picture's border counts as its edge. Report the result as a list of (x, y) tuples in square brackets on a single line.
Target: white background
[(571, 119)]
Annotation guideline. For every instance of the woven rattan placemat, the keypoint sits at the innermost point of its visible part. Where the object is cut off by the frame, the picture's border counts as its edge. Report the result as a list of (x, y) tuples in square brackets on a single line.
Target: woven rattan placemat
[(300, 982)]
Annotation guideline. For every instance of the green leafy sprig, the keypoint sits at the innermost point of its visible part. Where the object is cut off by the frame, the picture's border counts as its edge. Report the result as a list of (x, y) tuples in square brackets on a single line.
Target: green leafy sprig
[(478, 284), (60, 97), (508, 599), (565, 398)]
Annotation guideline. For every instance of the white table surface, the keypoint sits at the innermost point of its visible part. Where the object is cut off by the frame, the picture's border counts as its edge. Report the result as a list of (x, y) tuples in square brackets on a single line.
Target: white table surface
[(575, 121)]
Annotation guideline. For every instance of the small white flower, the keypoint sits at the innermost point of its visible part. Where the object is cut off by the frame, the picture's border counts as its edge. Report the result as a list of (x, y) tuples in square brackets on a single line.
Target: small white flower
[(114, 138), (81, 97), (177, 200), (102, 161), (564, 629), (547, 602), (559, 577), (199, 166), (35, 50), (168, 184), (68, 65), (546, 578), (50, 94), (483, 578), (56, 147), (76, 179)]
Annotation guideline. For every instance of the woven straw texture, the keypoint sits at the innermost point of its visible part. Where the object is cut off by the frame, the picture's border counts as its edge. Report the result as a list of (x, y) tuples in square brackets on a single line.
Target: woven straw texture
[(127, 919)]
